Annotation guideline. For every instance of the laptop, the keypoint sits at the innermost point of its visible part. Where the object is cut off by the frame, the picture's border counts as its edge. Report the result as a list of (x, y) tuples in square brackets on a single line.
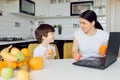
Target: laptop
[(111, 54)]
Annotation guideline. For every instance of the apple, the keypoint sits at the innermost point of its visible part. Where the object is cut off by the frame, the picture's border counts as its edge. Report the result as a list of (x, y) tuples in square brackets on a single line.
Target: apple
[(7, 73), (20, 57)]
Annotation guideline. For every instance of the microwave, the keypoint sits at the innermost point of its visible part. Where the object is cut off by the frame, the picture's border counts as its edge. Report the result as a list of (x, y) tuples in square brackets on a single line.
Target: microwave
[(76, 8), (27, 7)]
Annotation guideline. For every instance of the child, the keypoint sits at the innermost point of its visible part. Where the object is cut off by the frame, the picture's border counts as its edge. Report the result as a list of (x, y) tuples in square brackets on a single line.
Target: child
[(45, 35)]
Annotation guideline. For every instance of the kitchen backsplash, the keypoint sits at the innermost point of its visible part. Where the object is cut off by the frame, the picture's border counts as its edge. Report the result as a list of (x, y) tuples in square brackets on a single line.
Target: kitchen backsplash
[(19, 26), (15, 26), (69, 25)]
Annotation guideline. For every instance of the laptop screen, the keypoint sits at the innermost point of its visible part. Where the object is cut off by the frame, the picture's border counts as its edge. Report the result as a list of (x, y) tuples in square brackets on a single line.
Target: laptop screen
[(113, 48)]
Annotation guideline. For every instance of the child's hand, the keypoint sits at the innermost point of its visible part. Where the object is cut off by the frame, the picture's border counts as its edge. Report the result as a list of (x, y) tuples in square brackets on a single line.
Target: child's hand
[(49, 53)]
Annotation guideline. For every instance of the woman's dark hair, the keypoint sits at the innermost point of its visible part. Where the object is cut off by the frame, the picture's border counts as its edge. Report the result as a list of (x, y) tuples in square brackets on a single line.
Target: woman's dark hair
[(43, 30), (91, 16)]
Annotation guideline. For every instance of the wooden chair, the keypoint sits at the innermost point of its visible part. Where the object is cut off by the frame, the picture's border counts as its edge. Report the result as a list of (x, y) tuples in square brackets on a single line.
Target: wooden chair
[(67, 50), (57, 52), (32, 46)]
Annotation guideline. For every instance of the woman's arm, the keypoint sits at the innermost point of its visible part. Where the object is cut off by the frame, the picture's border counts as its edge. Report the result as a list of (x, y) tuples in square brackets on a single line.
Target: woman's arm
[(106, 43), (75, 50)]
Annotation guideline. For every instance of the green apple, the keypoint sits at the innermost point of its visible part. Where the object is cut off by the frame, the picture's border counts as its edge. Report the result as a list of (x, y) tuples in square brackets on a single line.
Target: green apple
[(7, 73), (20, 57)]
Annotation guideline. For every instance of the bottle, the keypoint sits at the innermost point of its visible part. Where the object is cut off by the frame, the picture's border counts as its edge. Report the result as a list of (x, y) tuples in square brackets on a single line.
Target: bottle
[(59, 29)]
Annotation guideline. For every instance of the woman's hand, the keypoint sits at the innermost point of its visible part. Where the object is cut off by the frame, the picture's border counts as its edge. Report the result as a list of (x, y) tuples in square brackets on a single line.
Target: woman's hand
[(77, 56), (76, 51)]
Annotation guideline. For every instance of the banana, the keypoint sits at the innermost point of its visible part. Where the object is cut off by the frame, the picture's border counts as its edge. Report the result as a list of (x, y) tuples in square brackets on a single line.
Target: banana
[(6, 50), (6, 55), (9, 57)]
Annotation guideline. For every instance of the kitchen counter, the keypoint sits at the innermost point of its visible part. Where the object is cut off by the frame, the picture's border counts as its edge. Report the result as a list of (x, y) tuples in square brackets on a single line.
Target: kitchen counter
[(19, 44), (27, 40), (13, 42)]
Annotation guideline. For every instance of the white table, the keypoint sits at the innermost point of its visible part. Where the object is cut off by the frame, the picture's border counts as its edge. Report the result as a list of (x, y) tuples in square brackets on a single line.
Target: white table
[(63, 69)]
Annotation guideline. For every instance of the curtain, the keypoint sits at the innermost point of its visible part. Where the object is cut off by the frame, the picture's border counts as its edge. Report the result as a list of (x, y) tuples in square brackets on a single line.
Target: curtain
[(113, 15)]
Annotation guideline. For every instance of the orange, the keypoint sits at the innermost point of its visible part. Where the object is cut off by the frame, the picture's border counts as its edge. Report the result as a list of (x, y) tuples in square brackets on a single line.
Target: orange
[(36, 63), (2, 65), (52, 52), (103, 49), (22, 63), (11, 64), (26, 52), (14, 51)]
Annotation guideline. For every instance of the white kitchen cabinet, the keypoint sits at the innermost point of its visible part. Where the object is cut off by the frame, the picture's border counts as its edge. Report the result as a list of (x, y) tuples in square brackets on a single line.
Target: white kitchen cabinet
[(59, 1), (27, 7), (74, 0), (42, 8), (100, 7), (13, 6), (52, 8), (59, 10), (3, 5)]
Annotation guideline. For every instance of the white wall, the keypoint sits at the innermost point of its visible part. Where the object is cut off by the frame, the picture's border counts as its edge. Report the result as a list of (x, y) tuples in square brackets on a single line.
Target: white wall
[(8, 29), (67, 25), (113, 14), (7, 23)]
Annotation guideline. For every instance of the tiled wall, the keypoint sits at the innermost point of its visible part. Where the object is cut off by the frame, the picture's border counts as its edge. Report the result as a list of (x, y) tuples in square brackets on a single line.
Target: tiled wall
[(8, 22), (69, 25), (8, 29), (15, 25)]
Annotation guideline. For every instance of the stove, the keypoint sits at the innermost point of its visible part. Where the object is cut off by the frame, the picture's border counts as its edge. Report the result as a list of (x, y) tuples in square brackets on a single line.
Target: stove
[(11, 38)]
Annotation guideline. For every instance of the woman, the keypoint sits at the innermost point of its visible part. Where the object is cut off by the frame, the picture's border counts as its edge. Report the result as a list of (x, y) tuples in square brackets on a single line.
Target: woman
[(90, 36)]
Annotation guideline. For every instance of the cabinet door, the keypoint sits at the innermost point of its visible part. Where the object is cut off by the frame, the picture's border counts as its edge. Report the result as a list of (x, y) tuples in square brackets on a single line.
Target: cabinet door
[(59, 9), (42, 8), (21, 7), (100, 7), (13, 6)]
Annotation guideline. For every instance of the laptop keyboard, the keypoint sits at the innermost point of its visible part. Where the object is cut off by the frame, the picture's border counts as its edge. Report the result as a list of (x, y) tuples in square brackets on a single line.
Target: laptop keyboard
[(90, 62)]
